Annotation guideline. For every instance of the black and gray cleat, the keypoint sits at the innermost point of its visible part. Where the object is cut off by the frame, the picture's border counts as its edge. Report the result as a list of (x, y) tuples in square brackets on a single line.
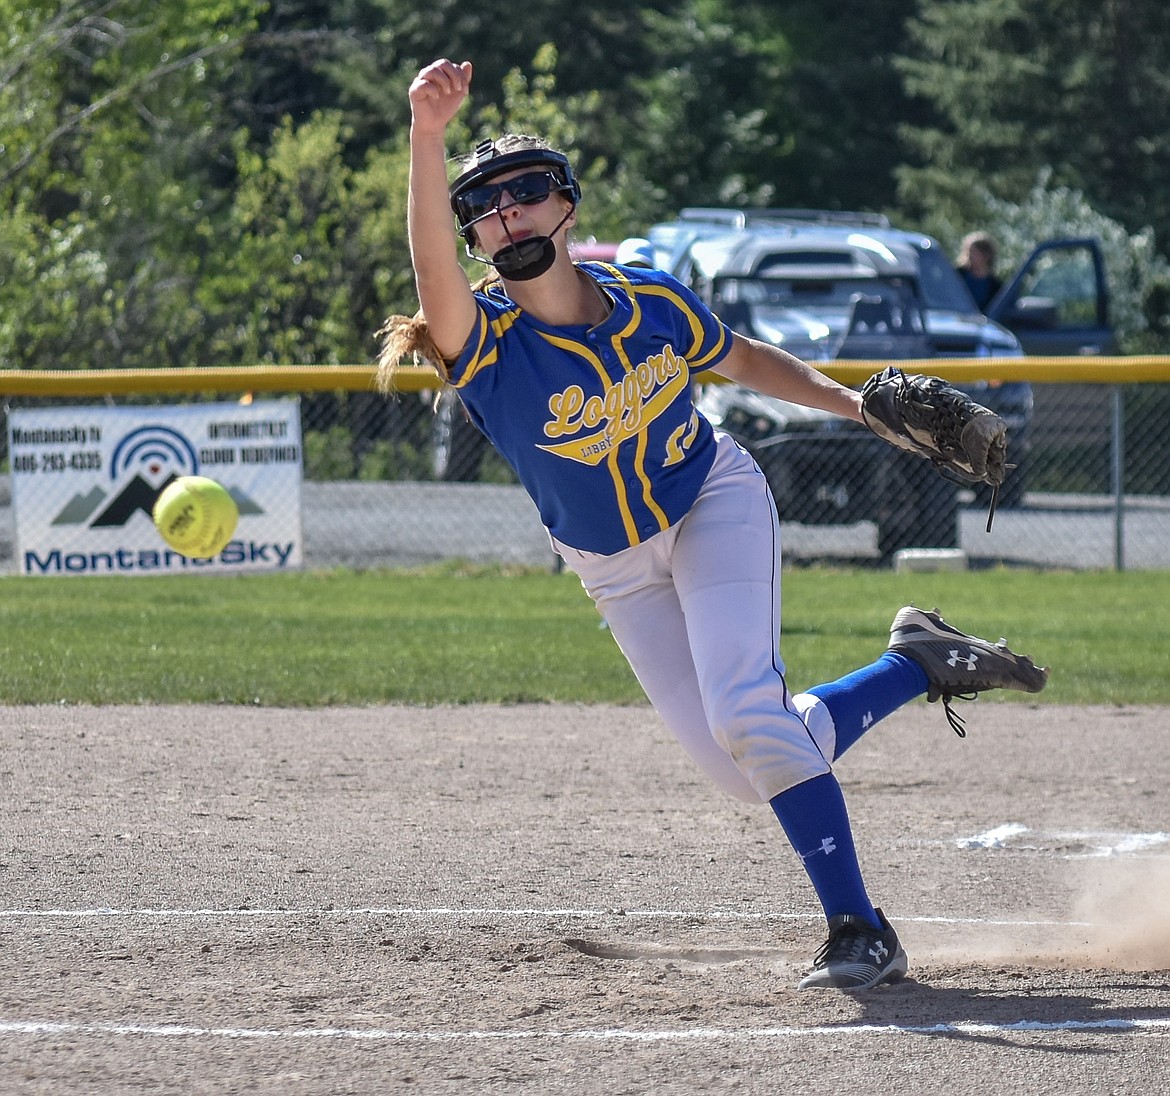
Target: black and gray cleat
[(958, 665)]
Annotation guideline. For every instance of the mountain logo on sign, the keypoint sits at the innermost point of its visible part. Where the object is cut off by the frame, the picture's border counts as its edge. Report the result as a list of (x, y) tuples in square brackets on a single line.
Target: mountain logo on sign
[(144, 454)]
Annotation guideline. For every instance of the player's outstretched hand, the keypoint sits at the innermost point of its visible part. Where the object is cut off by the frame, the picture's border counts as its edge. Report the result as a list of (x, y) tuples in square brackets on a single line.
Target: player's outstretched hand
[(437, 93)]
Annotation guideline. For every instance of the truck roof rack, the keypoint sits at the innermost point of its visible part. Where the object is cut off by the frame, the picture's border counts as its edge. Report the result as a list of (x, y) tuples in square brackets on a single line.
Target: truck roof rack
[(741, 218)]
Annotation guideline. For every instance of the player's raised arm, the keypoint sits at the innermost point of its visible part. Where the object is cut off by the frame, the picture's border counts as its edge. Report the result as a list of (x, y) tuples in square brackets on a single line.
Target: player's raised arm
[(436, 95)]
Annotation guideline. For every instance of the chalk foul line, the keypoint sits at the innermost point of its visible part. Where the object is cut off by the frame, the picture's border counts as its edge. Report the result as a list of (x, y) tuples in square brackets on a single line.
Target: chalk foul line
[(460, 913), (733, 1035)]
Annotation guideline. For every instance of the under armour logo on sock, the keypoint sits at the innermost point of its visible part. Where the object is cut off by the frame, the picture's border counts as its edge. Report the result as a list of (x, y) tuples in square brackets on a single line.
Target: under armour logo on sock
[(867, 721), (828, 845), (967, 660)]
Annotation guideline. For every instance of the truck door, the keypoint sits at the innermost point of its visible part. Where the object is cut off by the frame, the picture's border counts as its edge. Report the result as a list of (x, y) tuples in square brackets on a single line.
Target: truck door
[(1057, 303)]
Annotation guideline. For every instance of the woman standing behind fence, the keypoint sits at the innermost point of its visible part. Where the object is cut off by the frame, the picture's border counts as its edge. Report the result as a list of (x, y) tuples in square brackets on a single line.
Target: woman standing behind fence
[(581, 375)]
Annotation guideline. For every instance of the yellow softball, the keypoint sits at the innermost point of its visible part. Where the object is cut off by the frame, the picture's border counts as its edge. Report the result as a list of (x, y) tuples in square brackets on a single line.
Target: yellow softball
[(196, 516)]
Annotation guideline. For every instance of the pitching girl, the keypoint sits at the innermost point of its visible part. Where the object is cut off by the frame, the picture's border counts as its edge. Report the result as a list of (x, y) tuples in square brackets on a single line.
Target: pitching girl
[(582, 377)]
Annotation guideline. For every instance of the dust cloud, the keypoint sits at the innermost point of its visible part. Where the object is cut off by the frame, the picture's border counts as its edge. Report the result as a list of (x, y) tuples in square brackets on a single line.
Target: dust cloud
[(1116, 920), (1125, 905)]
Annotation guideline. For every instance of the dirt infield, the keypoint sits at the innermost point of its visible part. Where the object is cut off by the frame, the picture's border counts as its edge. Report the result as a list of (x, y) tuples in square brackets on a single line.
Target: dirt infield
[(549, 899)]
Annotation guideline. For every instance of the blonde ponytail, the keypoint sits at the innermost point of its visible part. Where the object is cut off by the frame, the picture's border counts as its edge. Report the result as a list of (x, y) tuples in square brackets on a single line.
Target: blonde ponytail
[(405, 338), (408, 338)]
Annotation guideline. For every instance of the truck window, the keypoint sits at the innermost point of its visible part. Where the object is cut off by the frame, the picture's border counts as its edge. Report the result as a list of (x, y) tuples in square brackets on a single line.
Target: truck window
[(942, 288), (1067, 278)]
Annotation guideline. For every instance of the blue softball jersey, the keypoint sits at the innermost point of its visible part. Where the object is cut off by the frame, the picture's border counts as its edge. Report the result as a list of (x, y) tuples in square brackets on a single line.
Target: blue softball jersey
[(598, 422)]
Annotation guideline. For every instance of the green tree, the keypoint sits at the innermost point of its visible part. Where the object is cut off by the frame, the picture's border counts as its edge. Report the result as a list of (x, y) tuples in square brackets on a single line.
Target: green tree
[(1139, 277), (834, 98), (358, 56), (107, 175), (1074, 87), (280, 294), (708, 101), (319, 255)]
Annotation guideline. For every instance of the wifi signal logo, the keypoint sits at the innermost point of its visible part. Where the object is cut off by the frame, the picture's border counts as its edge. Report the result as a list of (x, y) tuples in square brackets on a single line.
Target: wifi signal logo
[(152, 450)]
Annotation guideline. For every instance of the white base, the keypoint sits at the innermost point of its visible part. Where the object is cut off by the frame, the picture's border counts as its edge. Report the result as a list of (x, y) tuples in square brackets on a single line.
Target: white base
[(930, 559)]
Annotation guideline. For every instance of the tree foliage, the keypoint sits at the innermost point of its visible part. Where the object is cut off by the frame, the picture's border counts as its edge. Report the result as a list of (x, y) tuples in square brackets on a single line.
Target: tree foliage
[(1077, 88), (224, 182), (1138, 276), (107, 176)]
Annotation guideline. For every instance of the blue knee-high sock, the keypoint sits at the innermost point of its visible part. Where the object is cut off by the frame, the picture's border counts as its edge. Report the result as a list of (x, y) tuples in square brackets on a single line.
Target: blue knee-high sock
[(814, 817), (858, 700)]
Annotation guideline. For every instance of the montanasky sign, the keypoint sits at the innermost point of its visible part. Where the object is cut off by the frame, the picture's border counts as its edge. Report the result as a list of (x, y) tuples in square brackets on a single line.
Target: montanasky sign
[(85, 479)]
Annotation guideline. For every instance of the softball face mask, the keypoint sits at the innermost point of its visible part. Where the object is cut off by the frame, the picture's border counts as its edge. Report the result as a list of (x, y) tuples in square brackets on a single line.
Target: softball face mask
[(474, 197)]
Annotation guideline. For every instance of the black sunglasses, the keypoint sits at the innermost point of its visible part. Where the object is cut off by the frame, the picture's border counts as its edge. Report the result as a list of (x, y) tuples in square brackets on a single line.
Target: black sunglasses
[(531, 188)]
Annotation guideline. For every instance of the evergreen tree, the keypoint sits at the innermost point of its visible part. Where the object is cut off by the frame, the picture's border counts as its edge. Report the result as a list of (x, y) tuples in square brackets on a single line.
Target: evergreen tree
[(1074, 87)]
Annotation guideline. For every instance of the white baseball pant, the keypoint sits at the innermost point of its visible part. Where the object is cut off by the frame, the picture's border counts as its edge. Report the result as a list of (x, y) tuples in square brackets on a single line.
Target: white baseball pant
[(696, 612)]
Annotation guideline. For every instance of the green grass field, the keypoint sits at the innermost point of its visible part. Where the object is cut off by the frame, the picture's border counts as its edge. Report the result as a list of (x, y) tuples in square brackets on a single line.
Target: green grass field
[(455, 635)]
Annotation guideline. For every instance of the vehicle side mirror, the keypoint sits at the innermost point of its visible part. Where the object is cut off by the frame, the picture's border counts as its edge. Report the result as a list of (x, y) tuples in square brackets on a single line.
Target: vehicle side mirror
[(1038, 313)]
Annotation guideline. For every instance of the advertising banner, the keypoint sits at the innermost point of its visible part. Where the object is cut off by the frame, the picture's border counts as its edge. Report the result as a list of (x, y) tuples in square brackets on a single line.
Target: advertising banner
[(84, 481)]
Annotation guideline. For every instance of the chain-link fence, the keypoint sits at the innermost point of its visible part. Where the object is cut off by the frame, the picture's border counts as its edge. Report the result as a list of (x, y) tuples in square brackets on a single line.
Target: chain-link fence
[(401, 482)]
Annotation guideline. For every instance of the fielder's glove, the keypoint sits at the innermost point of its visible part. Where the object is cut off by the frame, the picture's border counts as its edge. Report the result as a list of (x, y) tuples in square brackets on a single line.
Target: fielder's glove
[(929, 417)]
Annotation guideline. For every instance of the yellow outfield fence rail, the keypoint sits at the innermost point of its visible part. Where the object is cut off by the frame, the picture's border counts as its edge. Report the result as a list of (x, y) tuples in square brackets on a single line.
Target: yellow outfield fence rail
[(408, 480), (1142, 369)]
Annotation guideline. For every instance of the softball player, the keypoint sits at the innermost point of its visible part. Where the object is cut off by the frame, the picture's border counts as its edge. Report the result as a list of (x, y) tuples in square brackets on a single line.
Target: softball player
[(581, 376)]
